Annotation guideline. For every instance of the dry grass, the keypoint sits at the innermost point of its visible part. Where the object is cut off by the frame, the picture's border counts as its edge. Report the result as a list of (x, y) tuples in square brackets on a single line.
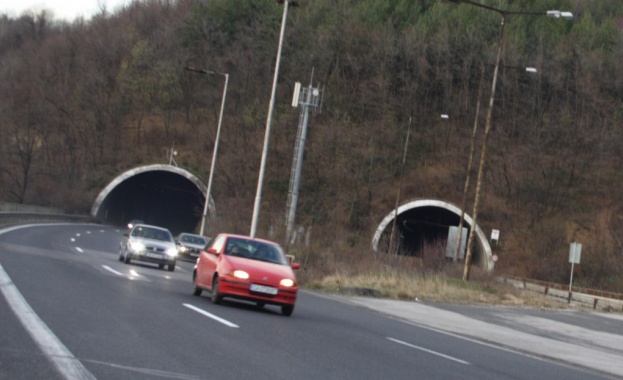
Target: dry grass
[(431, 288), (411, 278)]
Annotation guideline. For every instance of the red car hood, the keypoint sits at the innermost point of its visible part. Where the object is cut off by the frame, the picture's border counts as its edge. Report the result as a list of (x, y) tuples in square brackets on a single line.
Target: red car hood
[(257, 269)]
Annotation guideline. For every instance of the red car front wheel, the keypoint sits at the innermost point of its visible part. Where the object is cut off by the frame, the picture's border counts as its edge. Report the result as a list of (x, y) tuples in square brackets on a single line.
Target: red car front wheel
[(287, 310), (215, 297)]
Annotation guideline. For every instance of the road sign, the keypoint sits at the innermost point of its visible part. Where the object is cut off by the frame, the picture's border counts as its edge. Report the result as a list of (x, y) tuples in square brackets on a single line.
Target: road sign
[(575, 252)]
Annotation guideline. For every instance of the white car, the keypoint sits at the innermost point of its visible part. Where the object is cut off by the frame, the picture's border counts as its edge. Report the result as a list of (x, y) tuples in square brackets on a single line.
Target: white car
[(149, 244)]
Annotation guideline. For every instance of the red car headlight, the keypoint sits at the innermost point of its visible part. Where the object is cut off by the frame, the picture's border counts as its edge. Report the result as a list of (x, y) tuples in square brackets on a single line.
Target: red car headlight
[(240, 274), (287, 282)]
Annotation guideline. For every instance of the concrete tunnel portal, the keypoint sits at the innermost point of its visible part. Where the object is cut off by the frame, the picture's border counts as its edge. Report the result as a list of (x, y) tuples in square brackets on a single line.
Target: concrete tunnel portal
[(425, 222), (174, 198), (161, 195)]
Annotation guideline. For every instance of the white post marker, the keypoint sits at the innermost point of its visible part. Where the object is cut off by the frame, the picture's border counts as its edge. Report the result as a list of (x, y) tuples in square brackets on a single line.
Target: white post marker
[(575, 252)]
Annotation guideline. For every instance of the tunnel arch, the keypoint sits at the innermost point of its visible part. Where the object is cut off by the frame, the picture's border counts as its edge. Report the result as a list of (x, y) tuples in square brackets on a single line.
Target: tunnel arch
[(159, 194), (439, 214)]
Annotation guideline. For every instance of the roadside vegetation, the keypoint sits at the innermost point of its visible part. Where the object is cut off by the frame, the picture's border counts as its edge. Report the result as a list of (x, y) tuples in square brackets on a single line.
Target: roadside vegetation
[(433, 280), (82, 102)]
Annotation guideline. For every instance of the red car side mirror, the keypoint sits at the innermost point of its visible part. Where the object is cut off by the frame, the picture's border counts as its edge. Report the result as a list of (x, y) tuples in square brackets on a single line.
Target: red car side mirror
[(212, 251), (295, 266)]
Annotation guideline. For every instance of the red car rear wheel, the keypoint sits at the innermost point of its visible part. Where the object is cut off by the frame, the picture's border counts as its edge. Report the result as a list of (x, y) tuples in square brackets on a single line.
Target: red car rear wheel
[(196, 290)]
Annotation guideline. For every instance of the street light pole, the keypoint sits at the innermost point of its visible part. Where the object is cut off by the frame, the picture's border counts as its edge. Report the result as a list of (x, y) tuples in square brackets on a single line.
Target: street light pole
[(216, 143), (392, 236), (271, 106), (483, 154)]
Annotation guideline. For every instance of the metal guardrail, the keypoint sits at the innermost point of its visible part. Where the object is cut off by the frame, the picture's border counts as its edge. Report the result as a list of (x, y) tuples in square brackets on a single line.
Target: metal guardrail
[(21, 207), (608, 301), (13, 218)]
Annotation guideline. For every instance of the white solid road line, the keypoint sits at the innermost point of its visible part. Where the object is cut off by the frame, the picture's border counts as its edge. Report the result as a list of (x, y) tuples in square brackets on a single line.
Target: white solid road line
[(209, 315), (429, 351), (64, 361)]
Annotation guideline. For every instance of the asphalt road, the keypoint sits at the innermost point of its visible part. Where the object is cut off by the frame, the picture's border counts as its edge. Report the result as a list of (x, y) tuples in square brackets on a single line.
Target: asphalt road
[(70, 310)]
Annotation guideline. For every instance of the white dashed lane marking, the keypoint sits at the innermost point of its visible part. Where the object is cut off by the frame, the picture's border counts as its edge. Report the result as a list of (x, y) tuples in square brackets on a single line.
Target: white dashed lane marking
[(429, 351), (210, 315)]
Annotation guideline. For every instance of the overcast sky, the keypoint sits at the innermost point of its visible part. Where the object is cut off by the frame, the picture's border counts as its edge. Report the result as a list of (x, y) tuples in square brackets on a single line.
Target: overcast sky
[(62, 9)]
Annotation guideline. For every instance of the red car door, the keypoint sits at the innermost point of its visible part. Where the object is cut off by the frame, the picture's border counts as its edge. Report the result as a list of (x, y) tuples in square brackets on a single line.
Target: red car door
[(208, 259)]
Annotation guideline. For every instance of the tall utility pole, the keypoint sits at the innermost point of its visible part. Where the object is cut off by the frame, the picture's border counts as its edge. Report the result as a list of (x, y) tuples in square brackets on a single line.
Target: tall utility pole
[(308, 98), (483, 153)]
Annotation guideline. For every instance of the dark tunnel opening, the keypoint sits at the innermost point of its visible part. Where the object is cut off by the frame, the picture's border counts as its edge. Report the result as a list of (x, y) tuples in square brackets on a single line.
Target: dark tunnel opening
[(157, 197)]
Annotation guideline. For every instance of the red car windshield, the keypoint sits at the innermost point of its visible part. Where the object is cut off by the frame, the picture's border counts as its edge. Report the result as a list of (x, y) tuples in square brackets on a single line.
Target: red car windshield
[(255, 250)]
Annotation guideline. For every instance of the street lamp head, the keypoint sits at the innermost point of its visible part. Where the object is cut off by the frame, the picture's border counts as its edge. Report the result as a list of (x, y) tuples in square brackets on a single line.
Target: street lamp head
[(531, 70), (559, 14), (444, 116)]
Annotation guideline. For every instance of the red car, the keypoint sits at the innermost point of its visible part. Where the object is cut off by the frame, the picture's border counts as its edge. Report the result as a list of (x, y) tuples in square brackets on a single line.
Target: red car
[(245, 268)]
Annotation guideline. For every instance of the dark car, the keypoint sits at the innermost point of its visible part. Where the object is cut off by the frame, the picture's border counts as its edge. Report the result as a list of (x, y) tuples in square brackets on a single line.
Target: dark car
[(150, 244), (189, 245)]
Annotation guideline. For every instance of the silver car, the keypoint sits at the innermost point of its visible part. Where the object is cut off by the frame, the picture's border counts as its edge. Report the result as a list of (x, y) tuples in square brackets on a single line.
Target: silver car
[(149, 244)]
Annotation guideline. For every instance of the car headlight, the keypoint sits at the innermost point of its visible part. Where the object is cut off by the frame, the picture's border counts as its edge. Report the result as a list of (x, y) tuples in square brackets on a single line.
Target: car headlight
[(137, 246), (286, 282), (172, 251), (241, 274), (182, 249)]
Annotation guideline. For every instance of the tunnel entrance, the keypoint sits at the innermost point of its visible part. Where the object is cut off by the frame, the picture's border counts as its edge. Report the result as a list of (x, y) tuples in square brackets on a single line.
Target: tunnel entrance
[(162, 195), (421, 224)]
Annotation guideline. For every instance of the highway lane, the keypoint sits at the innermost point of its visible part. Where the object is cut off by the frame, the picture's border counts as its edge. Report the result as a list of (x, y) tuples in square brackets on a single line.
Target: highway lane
[(136, 321)]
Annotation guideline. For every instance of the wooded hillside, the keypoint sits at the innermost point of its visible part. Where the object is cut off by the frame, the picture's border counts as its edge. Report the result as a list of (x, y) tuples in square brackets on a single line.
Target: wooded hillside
[(82, 102)]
